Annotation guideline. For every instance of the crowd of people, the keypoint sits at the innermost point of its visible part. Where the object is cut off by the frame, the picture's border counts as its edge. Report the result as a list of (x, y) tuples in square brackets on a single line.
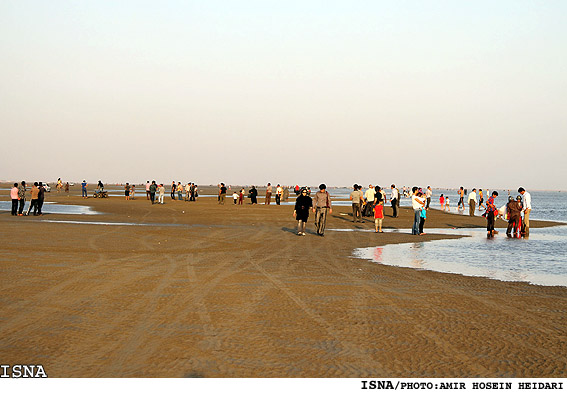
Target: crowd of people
[(369, 203), (18, 197)]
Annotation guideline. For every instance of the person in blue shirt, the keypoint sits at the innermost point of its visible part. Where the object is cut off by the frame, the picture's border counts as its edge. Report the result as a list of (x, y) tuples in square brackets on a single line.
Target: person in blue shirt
[(84, 185)]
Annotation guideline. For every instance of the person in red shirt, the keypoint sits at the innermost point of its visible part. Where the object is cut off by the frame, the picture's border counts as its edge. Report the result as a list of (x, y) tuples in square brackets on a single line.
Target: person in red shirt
[(378, 216), (491, 212)]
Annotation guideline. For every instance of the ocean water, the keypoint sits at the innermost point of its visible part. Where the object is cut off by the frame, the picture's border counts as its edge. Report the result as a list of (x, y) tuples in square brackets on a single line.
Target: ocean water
[(539, 259)]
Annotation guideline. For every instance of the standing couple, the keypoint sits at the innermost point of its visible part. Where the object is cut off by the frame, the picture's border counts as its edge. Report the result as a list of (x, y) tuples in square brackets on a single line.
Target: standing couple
[(321, 206)]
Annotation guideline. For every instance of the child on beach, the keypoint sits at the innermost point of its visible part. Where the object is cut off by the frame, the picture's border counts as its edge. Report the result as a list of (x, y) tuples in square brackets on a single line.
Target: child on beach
[(447, 207), (162, 193), (422, 218), (235, 197), (378, 216), (442, 202)]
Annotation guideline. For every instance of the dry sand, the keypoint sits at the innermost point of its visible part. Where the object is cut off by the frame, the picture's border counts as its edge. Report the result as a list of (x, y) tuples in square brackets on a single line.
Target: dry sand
[(233, 292)]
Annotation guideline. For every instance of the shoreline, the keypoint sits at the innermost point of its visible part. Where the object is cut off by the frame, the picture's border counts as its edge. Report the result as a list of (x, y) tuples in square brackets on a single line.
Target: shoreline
[(236, 293)]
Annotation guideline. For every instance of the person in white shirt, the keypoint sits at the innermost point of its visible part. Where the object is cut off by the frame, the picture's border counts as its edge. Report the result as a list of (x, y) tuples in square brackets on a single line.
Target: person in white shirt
[(527, 203), (428, 194), (472, 202), (279, 192), (369, 199), (369, 194), (394, 198), (417, 202)]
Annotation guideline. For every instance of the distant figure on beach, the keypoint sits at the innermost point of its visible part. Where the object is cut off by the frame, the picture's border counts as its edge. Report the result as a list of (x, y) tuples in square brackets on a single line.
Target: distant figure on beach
[(296, 190), (193, 192), (59, 185), (21, 197), (303, 204), (394, 200), (187, 191), (253, 193), (461, 202), (378, 216), (428, 194), (148, 190), (173, 189), (378, 195), (179, 191), (527, 204), (481, 200), (15, 199), (442, 202), (222, 193), (132, 191), (127, 191), (285, 194), (279, 192), (235, 197), (241, 196), (268, 194), (40, 198), (67, 188), (417, 202), (84, 185), (514, 209), (153, 189), (99, 187), (321, 207), (356, 197), (162, 193), (33, 202), (491, 212), (472, 202), (447, 204)]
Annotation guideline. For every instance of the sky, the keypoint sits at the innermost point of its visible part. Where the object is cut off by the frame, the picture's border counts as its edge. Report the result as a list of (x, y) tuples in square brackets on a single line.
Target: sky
[(441, 93)]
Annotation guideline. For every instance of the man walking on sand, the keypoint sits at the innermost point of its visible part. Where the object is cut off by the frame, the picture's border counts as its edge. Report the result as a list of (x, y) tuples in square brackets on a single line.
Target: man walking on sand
[(147, 190), (356, 197), (472, 202), (22, 197), (394, 198), (428, 194), (222, 193), (321, 206), (527, 204), (268, 194), (279, 192)]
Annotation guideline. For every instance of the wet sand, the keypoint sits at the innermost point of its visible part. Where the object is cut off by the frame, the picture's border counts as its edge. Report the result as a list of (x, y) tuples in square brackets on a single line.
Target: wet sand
[(231, 291)]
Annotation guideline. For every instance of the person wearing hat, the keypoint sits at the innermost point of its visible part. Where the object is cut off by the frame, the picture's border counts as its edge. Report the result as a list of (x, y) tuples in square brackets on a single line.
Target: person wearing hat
[(514, 209)]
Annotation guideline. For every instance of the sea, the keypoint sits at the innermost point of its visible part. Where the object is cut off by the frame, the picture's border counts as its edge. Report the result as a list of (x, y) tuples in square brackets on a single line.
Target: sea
[(540, 259)]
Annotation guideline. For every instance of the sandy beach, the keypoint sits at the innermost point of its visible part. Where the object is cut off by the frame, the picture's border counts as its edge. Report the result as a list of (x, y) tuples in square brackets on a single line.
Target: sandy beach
[(204, 290)]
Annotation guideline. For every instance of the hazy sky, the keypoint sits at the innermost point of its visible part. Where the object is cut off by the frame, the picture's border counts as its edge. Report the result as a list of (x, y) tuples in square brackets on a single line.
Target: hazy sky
[(446, 93)]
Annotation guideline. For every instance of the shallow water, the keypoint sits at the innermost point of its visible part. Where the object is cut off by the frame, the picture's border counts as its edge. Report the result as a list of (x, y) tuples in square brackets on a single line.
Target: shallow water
[(540, 260), (54, 208)]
